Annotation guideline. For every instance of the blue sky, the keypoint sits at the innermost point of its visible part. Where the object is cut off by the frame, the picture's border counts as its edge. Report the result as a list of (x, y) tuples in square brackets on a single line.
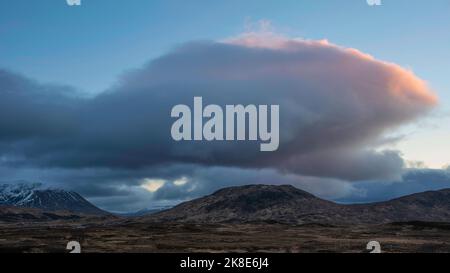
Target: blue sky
[(52, 41), (90, 46)]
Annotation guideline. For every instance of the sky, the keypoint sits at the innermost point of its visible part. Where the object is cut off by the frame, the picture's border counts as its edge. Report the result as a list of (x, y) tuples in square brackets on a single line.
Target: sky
[(110, 47)]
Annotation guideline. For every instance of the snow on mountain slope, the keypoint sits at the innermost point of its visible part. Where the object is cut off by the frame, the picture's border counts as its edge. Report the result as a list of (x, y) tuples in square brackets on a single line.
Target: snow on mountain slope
[(35, 195)]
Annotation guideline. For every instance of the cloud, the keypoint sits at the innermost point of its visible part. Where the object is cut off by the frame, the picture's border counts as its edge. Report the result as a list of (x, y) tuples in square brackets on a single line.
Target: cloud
[(336, 106), (412, 181), (30, 110), (153, 185)]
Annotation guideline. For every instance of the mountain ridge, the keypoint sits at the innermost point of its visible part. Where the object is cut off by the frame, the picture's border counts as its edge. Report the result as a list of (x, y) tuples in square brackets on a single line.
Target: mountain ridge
[(287, 204)]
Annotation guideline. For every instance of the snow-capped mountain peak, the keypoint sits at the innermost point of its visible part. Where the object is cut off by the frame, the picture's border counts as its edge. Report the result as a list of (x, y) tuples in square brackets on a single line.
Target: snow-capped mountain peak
[(36, 195)]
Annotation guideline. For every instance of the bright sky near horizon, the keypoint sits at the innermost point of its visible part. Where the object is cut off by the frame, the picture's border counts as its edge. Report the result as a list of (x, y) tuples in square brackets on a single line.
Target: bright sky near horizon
[(90, 46)]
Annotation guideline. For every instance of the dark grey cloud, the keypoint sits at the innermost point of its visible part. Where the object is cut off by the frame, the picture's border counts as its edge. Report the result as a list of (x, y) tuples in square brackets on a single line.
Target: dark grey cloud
[(335, 106), (30, 110)]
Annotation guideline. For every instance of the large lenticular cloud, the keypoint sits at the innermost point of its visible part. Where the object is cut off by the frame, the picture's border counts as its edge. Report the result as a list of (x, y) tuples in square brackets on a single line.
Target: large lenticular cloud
[(336, 104)]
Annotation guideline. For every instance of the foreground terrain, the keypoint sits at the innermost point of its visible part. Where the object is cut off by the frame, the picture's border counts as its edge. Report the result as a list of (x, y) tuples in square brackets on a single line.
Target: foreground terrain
[(263, 237), (253, 218)]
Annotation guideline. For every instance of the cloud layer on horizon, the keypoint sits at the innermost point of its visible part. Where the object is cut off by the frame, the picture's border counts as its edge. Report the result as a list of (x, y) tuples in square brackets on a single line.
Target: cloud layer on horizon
[(336, 105)]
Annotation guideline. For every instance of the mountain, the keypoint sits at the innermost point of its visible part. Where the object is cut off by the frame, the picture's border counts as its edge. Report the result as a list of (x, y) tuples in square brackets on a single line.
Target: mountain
[(430, 206), (143, 212), (36, 196), (287, 204)]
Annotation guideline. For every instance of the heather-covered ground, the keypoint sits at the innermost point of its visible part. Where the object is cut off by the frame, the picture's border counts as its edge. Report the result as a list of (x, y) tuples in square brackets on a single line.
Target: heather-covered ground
[(262, 237)]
